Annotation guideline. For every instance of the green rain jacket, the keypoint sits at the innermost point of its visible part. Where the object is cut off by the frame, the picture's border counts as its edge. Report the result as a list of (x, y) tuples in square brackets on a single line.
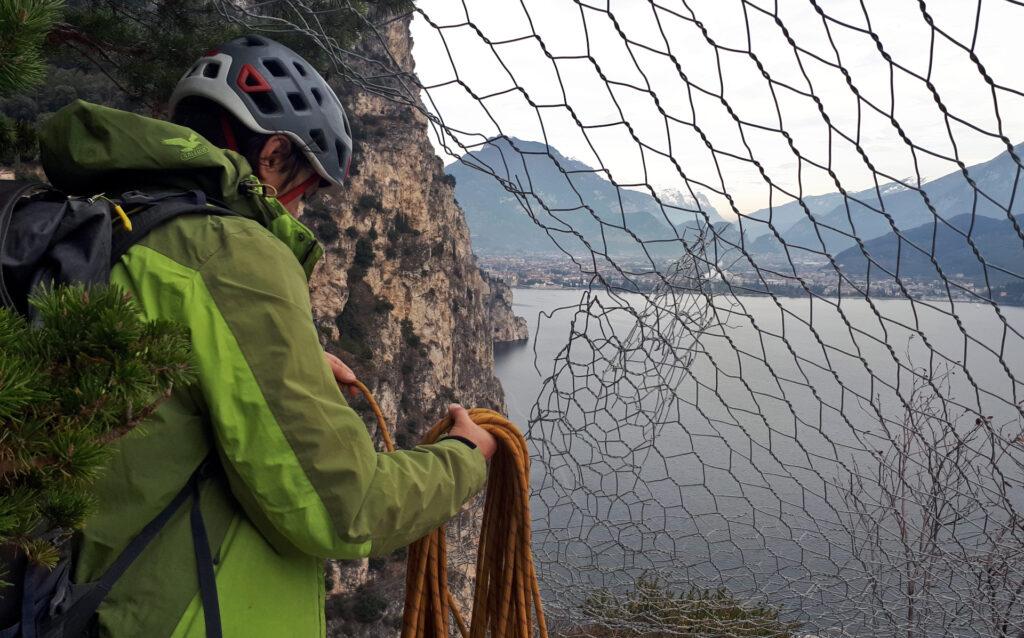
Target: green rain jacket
[(300, 479)]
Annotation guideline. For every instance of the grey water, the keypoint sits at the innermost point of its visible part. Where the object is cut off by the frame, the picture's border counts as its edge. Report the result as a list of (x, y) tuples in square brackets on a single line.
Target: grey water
[(722, 454)]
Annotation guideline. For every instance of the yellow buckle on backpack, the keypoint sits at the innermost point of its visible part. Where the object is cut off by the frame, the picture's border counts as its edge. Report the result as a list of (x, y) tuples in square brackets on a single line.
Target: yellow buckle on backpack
[(127, 223)]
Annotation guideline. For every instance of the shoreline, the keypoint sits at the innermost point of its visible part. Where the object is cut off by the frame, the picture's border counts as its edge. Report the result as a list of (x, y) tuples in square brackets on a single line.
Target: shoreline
[(752, 294)]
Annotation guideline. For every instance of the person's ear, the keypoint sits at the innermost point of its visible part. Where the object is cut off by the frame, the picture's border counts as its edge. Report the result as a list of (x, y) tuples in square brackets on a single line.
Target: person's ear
[(275, 151)]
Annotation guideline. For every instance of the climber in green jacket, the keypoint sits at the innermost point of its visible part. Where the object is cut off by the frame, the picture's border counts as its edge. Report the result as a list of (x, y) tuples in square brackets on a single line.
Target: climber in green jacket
[(297, 478)]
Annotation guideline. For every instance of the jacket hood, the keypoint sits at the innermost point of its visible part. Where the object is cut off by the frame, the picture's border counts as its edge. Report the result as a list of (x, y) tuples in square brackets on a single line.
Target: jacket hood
[(88, 149)]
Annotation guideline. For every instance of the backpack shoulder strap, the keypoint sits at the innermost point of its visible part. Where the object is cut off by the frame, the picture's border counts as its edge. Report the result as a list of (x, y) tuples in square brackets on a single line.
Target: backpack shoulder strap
[(161, 209), (12, 192), (72, 610), (12, 188)]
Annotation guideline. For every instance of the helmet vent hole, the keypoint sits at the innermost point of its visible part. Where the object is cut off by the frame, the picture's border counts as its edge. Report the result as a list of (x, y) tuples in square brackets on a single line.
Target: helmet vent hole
[(340, 150), (318, 138), (266, 103), (193, 70), (211, 70), (254, 41), (298, 102), (301, 69), (318, 96), (275, 67)]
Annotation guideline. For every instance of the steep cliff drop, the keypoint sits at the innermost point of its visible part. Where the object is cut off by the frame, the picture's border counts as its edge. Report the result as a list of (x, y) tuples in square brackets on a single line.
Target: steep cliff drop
[(508, 327), (398, 249)]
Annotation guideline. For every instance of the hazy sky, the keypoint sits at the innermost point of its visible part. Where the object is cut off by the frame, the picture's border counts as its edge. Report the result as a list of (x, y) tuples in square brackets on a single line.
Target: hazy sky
[(571, 30)]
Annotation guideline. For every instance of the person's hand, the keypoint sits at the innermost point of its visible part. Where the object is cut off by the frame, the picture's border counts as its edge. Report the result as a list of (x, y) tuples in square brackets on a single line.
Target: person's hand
[(463, 426), (342, 374)]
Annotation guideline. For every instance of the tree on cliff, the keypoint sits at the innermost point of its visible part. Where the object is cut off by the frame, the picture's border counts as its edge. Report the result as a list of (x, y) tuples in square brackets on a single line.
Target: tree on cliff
[(23, 27), (143, 45), (87, 374), (129, 54)]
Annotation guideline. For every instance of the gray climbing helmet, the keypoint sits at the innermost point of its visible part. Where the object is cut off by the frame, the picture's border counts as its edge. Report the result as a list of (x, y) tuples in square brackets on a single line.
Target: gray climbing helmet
[(271, 89)]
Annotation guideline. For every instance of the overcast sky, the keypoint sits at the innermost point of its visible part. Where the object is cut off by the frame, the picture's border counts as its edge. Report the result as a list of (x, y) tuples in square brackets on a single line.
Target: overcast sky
[(572, 30)]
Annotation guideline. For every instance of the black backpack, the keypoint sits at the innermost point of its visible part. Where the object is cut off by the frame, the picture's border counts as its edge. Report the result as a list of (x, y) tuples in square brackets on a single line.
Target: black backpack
[(49, 238)]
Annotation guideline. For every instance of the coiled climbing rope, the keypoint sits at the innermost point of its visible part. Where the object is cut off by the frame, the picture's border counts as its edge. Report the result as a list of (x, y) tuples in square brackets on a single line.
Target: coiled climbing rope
[(507, 597)]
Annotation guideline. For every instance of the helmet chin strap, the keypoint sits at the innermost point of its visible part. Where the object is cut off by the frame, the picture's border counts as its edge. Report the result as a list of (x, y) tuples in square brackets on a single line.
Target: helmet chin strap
[(229, 133), (287, 198)]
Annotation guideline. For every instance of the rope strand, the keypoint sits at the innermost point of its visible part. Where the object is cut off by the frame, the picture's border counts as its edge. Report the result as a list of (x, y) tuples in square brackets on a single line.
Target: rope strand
[(507, 596)]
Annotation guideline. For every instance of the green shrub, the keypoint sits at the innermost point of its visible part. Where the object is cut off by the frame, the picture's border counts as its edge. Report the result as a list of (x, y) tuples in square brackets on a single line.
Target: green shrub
[(368, 606), (323, 224), (7, 139), (367, 202), (90, 372), (652, 610), (353, 332), (364, 253), (362, 260), (26, 141), (18, 140), (403, 227), (409, 335)]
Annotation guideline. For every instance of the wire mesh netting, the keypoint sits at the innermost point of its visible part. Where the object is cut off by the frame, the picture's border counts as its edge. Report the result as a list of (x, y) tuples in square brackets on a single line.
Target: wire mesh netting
[(788, 399)]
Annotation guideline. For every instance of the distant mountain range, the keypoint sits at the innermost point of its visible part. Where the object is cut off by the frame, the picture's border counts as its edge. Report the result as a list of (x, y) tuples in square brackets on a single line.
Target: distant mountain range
[(784, 216), (558, 191), (996, 240), (861, 213), (499, 225)]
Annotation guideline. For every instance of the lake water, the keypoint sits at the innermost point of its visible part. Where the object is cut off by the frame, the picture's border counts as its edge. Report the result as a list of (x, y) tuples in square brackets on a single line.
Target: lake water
[(786, 450)]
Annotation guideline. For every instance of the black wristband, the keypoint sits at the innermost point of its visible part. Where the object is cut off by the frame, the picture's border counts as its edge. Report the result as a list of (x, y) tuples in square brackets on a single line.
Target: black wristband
[(461, 439)]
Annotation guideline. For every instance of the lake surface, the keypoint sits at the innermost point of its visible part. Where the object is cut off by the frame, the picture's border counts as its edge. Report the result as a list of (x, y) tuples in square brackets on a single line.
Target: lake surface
[(790, 451)]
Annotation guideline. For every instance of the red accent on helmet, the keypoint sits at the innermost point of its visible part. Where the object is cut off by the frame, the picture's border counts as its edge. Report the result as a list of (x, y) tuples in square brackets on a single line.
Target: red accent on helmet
[(211, 53), (229, 133), (250, 80), (348, 165)]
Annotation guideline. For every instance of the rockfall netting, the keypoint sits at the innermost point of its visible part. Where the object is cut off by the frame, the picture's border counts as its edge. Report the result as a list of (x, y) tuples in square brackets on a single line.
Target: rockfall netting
[(788, 400)]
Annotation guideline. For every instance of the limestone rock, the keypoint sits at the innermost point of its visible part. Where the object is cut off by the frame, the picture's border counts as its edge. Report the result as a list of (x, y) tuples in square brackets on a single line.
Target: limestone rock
[(400, 298), (508, 328)]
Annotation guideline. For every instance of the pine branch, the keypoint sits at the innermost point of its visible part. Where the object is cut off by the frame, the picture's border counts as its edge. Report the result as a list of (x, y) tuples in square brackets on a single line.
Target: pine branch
[(135, 420), (11, 467), (23, 26), (88, 375)]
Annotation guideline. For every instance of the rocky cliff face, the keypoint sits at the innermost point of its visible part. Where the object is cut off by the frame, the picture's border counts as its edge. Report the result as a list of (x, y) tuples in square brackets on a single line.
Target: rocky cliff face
[(400, 298), (508, 328)]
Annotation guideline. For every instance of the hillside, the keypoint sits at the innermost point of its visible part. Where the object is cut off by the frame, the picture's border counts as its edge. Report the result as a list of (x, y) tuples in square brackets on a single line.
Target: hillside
[(570, 205), (996, 240), (553, 202), (783, 216), (997, 184)]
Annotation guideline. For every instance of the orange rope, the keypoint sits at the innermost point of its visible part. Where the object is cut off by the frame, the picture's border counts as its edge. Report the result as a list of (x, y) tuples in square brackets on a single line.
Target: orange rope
[(507, 595)]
